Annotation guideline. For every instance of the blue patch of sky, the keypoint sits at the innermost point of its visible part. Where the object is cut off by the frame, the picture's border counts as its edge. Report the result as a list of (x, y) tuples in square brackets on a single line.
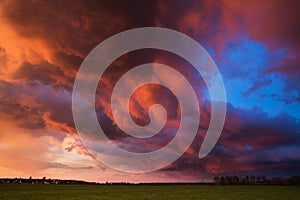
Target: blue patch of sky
[(242, 64)]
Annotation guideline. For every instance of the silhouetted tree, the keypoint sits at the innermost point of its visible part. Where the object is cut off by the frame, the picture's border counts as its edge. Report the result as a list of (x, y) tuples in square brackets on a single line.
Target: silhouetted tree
[(235, 180), (252, 179), (295, 180), (217, 180), (222, 180), (258, 180), (247, 180)]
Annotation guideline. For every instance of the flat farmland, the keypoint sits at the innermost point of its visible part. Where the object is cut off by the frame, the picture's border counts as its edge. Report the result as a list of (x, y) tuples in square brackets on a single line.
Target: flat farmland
[(146, 192)]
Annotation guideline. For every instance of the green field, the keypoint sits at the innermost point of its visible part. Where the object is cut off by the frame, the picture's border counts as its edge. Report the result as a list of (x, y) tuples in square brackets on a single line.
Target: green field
[(142, 192)]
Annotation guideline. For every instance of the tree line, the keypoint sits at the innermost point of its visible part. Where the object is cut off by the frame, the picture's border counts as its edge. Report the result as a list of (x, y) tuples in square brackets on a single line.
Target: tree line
[(256, 180)]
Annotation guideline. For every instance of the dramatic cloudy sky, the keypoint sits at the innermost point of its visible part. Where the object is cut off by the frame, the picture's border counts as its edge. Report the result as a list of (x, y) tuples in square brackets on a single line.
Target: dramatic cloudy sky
[(255, 44)]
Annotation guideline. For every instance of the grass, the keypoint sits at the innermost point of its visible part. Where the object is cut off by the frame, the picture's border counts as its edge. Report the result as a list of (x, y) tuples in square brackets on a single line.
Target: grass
[(142, 192)]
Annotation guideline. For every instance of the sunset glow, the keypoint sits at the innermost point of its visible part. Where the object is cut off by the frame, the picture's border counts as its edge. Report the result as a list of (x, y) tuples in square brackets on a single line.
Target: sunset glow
[(255, 44)]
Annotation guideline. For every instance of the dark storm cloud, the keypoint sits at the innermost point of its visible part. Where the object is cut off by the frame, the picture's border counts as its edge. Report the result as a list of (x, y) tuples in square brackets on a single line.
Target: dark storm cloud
[(67, 31), (255, 144)]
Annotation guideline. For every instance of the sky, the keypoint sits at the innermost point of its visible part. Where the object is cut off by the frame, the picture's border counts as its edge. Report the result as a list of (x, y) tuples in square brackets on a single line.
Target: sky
[(255, 44)]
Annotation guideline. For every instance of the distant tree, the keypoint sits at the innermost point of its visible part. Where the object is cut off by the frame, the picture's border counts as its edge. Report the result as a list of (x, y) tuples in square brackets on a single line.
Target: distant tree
[(222, 180), (264, 179), (228, 180), (295, 180), (252, 179), (277, 181), (217, 180), (247, 180), (235, 180), (258, 179)]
